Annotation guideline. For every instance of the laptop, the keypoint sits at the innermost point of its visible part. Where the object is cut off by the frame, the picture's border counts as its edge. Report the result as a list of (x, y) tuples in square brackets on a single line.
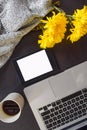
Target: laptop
[(57, 99)]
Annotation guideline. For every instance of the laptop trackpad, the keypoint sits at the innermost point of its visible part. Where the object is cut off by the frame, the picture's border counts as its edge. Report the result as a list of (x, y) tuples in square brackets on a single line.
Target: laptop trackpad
[(63, 84), (39, 94)]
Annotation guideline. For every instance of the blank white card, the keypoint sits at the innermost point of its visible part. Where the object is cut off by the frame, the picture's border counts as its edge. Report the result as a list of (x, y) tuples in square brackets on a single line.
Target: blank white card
[(34, 65)]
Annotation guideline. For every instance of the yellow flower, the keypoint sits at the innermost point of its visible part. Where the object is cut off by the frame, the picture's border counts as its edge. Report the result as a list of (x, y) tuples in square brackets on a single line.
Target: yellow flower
[(54, 30), (79, 24)]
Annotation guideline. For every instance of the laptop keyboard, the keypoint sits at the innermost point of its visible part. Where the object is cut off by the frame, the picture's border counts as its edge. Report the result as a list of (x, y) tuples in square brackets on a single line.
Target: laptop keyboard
[(66, 110)]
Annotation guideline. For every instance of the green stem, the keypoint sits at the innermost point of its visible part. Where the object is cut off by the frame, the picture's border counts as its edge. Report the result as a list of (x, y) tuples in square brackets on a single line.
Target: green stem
[(58, 9)]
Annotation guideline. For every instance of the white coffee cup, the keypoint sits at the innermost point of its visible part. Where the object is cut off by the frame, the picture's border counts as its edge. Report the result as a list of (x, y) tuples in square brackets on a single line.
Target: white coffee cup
[(16, 99)]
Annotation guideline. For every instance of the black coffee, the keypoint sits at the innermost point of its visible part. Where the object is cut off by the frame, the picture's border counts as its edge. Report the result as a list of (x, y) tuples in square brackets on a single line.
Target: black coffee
[(10, 107)]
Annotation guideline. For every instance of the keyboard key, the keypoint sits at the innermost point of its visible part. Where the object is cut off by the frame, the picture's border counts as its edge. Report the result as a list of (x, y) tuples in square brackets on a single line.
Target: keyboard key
[(49, 126), (67, 117), (54, 127), (48, 105), (45, 113), (69, 102), (73, 105), (84, 105), (77, 103), (75, 114), (65, 104), (71, 119), (63, 114), (56, 113), (46, 122), (84, 90), (73, 100), (81, 97), (45, 108), (59, 116), (84, 111), (60, 106), (79, 107), (85, 95), (71, 115), (40, 109), (58, 102), (75, 117), (64, 109), (77, 99), (54, 123), (58, 125), (67, 112), (58, 121), (56, 108), (76, 109), (60, 111), (53, 104), (50, 129), (71, 111), (50, 120), (68, 107), (63, 119), (85, 100), (81, 101), (52, 110), (79, 112), (46, 117), (52, 115), (79, 116), (54, 118), (62, 123)]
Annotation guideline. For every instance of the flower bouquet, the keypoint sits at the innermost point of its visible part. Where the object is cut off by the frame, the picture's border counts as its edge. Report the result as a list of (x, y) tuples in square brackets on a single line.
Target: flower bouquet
[(55, 27)]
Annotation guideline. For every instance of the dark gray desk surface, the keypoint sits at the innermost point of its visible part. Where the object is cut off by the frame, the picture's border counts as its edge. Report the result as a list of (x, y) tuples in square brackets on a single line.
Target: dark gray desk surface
[(67, 55)]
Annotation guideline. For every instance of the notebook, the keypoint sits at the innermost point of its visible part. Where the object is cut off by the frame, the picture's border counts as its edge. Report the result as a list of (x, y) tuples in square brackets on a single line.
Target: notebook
[(58, 100)]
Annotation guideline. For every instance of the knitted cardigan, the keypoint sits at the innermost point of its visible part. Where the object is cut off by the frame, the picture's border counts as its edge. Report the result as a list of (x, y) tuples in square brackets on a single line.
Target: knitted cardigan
[(17, 18)]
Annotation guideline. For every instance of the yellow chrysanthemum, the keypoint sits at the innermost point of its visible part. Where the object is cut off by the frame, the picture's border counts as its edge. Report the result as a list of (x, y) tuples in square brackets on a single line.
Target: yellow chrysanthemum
[(54, 30), (79, 24)]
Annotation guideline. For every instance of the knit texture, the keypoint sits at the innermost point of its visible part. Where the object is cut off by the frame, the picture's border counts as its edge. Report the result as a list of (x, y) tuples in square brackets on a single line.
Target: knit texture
[(17, 18)]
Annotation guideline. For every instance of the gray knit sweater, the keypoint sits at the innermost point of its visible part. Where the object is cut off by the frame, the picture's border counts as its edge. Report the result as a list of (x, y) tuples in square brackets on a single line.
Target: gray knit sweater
[(17, 18)]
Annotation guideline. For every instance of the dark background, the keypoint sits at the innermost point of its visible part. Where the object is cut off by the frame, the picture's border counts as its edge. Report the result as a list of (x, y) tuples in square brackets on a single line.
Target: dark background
[(67, 55)]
